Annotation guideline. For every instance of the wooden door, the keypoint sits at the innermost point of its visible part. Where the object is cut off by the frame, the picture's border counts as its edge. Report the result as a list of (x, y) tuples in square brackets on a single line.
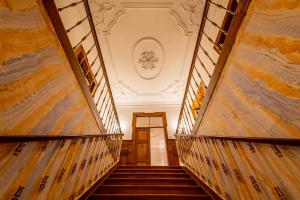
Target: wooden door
[(142, 146)]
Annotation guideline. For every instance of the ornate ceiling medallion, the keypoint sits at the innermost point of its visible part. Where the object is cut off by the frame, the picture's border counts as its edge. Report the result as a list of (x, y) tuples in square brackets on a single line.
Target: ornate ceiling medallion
[(148, 60), (148, 57)]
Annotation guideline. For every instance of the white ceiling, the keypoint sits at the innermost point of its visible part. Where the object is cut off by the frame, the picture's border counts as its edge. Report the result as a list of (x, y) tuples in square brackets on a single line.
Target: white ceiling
[(147, 46)]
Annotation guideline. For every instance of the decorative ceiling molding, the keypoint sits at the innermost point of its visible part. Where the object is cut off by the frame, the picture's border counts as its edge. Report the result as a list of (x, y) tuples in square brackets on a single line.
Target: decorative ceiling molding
[(125, 95), (187, 13), (194, 8), (180, 23), (123, 92), (175, 90), (149, 4), (127, 91), (99, 10), (114, 21), (143, 47), (148, 60)]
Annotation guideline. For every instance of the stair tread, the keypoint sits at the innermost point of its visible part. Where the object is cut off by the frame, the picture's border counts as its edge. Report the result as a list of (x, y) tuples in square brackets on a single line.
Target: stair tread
[(150, 186), (149, 183), (148, 173), (150, 197), (149, 170), (154, 195), (153, 167), (149, 178)]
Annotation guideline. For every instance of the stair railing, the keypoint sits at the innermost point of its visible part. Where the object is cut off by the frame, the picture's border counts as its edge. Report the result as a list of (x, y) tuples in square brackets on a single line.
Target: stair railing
[(239, 168), (78, 161), (210, 54), (75, 29), (233, 167)]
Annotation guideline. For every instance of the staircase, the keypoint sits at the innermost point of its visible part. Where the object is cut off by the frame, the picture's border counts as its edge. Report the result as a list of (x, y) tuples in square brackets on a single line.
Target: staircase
[(147, 183)]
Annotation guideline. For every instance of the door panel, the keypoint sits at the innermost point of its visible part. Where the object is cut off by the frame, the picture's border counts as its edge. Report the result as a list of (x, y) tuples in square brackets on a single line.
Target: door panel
[(142, 146)]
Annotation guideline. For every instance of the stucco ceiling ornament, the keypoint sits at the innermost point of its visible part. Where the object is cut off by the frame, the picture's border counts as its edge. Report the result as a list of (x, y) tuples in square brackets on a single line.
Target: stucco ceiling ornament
[(99, 9), (148, 60), (148, 57), (194, 8)]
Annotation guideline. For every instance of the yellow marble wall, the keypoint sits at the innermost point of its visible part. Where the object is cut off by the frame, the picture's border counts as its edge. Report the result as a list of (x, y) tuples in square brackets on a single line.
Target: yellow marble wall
[(39, 93), (258, 93)]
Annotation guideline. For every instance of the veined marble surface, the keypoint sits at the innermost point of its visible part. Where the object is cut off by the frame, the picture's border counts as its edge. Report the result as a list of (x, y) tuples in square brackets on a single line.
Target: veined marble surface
[(258, 93)]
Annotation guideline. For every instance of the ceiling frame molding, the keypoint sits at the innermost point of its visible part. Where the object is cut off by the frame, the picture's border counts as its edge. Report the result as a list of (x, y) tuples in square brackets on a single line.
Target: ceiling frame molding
[(126, 94), (180, 23), (114, 21), (150, 4), (119, 9)]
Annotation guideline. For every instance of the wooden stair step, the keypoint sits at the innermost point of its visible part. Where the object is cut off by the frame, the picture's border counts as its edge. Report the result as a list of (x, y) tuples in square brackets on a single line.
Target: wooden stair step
[(149, 197), (149, 181), (147, 167), (149, 170), (149, 189), (149, 175)]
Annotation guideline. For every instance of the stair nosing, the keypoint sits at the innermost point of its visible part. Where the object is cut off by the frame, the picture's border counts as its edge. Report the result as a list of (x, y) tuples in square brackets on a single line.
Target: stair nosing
[(147, 173), (158, 195), (153, 186), (149, 178)]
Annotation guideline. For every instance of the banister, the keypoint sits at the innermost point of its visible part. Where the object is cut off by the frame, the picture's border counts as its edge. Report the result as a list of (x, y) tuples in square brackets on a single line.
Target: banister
[(282, 141), (81, 75), (89, 15), (193, 63), (208, 88), (30, 138)]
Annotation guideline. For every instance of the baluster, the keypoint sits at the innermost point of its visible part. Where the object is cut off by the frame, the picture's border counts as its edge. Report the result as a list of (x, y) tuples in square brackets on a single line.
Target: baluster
[(106, 116), (70, 5), (104, 98), (198, 73), (105, 108), (185, 123), (101, 91), (216, 25), (82, 39), (205, 52), (191, 105), (202, 64), (222, 7), (76, 24), (110, 125), (190, 113), (110, 116), (190, 125)]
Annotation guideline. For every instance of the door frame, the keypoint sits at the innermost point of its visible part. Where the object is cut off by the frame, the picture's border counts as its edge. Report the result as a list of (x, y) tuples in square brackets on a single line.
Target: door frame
[(153, 114)]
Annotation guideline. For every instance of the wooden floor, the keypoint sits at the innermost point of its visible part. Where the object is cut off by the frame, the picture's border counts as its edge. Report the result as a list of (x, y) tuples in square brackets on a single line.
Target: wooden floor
[(149, 182)]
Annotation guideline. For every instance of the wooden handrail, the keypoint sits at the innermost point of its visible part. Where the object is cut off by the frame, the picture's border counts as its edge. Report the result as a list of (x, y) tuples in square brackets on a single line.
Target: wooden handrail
[(282, 141), (193, 62), (63, 37), (238, 14), (88, 11), (30, 138), (228, 44)]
